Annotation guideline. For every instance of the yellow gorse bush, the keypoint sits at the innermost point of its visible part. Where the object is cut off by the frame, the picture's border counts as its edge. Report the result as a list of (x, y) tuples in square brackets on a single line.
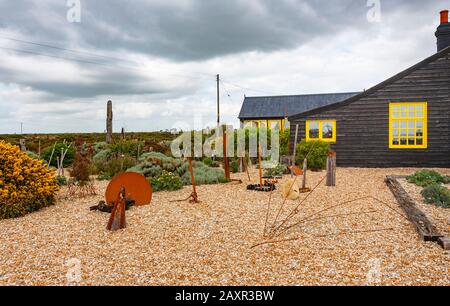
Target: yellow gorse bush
[(26, 184)]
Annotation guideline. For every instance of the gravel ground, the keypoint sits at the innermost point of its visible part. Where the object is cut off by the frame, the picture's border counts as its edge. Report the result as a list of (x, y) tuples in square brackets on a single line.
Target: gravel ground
[(210, 243), (439, 216)]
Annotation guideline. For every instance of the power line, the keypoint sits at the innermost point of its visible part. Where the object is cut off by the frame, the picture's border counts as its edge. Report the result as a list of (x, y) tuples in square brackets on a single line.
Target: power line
[(88, 53), (65, 49), (249, 89), (97, 63)]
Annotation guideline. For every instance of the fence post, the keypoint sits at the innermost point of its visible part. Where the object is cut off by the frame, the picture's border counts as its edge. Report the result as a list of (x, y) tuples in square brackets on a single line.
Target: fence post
[(331, 169)]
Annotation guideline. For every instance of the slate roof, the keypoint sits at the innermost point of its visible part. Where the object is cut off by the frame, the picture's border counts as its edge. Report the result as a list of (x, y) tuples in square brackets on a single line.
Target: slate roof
[(286, 106)]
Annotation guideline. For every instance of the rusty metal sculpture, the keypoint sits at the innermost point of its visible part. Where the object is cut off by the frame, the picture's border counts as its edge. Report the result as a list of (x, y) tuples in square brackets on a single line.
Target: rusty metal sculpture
[(136, 185), (117, 220), (193, 197)]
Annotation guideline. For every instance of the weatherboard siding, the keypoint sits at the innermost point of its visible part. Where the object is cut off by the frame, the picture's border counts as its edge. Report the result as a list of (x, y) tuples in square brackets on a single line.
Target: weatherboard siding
[(363, 125)]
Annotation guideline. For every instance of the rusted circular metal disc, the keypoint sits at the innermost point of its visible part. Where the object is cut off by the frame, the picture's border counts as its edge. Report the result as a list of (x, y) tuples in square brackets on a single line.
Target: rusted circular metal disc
[(136, 186)]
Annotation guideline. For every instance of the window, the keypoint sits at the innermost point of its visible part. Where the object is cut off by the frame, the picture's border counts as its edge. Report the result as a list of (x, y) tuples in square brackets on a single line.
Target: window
[(278, 124), (408, 125), (321, 130)]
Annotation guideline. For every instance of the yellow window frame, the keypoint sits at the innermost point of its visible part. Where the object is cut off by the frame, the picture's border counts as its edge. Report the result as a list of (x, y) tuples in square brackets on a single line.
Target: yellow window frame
[(266, 123), (320, 123), (402, 121)]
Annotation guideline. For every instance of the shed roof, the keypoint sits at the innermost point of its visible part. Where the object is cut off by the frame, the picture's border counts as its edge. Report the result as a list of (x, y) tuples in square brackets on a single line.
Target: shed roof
[(286, 106)]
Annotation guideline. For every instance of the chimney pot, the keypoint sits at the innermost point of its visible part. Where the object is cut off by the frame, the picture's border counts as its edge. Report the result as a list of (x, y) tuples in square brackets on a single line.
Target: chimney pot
[(444, 16)]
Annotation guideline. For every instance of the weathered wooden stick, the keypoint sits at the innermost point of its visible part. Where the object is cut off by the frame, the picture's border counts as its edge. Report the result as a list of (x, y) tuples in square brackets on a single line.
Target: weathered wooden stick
[(424, 227), (294, 155), (109, 122), (260, 167), (225, 157), (305, 168), (331, 169)]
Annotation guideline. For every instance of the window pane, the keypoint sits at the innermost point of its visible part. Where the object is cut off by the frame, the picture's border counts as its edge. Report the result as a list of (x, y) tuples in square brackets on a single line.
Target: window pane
[(410, 124), (395, 125), (419, 141), (403, 115), (411, 141), (403, 133), (419, 108), (419, 133), (403, 124), (396, 108), (403, 108), (327, 130), (395, 115), (403, 141), (395, 142), (419, 114), (411, 133), (419, 124), (396, 133), (313, 130)]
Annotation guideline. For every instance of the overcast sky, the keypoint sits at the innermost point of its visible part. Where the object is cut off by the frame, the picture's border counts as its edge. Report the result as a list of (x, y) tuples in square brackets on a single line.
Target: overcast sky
[(157, 59)]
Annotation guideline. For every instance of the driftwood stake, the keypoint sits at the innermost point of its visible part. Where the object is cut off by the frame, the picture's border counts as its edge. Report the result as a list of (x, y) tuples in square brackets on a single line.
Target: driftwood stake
[(294, 155), (331, 169), (305, 168), (225, 156), (109, 122)]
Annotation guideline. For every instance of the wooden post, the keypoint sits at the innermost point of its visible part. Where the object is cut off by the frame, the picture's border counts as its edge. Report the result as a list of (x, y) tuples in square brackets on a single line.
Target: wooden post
[(123, 134), (225, 157), (23, 147), (260, 167), (109, 123), (305, 168), (294, 155), (39, 149), (331, 169)]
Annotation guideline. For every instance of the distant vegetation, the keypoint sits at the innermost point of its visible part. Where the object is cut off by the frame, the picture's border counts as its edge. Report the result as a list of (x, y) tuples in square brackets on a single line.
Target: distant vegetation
[(151, 139)]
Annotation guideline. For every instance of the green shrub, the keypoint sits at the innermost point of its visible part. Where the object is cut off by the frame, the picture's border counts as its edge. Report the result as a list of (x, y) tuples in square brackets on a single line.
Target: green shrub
[(279, 170), (100, 146), (68, 160), (112, 167), (130, 148), (32, 155), (204, 176), (437, 195), (234, 166), (147, 169), (316, 151), (102, 156), (61, 180), (167, 181), (211, 163), (284, 142), (424, 178)]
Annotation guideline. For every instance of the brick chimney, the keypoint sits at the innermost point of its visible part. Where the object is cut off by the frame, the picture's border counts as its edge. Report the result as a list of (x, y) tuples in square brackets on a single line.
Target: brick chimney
[(443, 32)]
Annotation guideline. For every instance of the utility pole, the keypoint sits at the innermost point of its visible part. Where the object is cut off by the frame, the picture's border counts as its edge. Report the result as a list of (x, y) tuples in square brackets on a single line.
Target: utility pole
[(218, 100)]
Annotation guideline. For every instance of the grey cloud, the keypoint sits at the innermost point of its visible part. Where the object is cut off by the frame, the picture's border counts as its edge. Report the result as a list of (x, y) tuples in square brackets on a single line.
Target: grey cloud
[(192, 30)]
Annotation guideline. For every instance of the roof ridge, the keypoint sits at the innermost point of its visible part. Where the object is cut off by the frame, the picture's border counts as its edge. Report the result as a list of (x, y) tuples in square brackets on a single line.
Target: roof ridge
[(306, 95)]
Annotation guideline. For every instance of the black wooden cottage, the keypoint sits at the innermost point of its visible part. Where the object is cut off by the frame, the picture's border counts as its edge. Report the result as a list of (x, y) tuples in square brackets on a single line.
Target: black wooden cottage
[(401, 122)]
